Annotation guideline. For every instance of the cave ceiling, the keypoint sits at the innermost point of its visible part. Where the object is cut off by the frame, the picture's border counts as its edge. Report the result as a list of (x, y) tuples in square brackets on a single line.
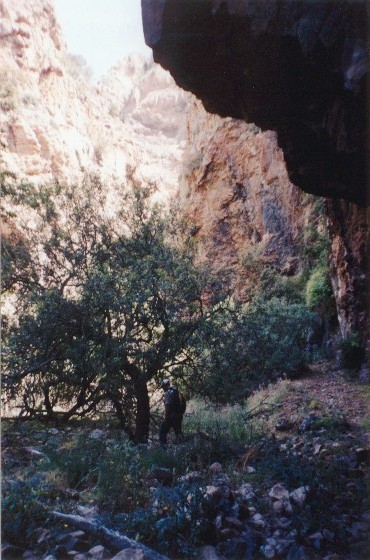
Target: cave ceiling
[(297, 67)]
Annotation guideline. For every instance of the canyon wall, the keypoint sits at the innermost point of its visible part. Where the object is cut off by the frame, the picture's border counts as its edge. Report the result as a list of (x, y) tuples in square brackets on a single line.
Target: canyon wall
[(57, 125), (238, 197), (299, 68)]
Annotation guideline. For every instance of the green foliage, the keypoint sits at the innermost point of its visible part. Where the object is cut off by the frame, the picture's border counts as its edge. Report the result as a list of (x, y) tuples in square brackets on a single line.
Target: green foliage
[(105, 310), (223, 426), (252, 345), (22, 511), (353, 352), (319, 293), (78, 461), (315, 244)]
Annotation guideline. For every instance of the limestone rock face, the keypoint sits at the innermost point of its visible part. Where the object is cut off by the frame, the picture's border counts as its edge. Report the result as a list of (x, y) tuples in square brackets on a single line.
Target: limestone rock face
[(55, 124), (237, 194)]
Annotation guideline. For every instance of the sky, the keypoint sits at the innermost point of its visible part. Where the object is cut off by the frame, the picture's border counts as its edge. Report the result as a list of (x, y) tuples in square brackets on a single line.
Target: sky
[(102, 31)]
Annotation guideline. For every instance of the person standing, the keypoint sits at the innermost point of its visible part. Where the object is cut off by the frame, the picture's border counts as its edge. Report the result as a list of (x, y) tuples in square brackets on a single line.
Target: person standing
[(175, 406)]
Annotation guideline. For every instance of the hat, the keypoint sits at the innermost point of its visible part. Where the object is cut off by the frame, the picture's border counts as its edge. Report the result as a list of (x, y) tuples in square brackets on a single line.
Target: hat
[(165, 383)]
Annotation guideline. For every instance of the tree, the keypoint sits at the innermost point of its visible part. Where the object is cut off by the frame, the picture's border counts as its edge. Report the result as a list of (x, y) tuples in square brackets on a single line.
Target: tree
[(112, 306)]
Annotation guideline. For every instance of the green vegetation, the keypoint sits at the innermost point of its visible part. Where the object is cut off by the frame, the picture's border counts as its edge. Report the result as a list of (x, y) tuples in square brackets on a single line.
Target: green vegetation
[(109, 305)]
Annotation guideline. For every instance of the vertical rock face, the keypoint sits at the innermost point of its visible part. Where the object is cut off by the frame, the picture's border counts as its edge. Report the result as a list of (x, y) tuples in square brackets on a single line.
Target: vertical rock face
[(55, 124), (348, 228), (238, 196)]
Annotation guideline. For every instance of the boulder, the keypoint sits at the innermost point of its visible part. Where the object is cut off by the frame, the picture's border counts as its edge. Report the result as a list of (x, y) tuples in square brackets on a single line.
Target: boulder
[(299, 495), (98, 552), (279, 492), (97, 434), (208, 553), (130, 554), (283, 424), (215, 468)]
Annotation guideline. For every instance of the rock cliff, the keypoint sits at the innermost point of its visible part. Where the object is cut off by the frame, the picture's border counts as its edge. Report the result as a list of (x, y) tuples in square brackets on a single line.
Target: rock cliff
[(55, 124), (238, 196)]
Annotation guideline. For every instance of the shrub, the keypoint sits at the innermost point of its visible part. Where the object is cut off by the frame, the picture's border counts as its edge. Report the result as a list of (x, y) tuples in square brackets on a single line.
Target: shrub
[(319, 293), (254, 345), (22, 511), (78, 461), (119, 474)]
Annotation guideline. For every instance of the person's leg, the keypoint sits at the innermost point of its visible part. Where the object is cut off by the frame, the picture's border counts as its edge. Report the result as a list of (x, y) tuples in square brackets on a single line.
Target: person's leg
[(177, 426), (163, 431)]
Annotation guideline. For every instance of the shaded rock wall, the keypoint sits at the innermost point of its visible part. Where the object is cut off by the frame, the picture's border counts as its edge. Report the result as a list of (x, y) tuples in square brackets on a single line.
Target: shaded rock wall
[(298, 67)]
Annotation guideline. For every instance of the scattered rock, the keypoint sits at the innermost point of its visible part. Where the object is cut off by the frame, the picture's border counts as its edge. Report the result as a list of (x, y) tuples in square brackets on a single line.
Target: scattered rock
[(97, 434), (283, 522), (99, 552), (53, 431), (233, 523), (268, 551), (130, 554), (307, 422), (258, 520), (283, 424), (316, 539), (215, 468), (278, 507), (246, 492), (29, 555), (297, 552), (299, 495), (193, 476), (279, 492), (208, 553)]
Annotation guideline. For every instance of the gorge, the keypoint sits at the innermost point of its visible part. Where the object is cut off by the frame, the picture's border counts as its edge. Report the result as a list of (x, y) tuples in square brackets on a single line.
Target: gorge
[(299, 68)]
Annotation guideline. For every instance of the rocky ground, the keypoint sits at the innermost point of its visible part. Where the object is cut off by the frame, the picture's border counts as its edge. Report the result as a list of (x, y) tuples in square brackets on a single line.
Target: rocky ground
[(300, 492)]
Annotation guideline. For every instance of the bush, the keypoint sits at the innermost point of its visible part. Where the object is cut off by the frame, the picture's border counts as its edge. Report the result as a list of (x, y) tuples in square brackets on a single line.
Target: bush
[(22, 512), (253, 345), (79, 461), (319, 293)]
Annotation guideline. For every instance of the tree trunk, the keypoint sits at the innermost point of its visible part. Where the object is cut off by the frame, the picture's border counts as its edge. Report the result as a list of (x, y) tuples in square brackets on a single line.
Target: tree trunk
[(142, 418), (112, 539)]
